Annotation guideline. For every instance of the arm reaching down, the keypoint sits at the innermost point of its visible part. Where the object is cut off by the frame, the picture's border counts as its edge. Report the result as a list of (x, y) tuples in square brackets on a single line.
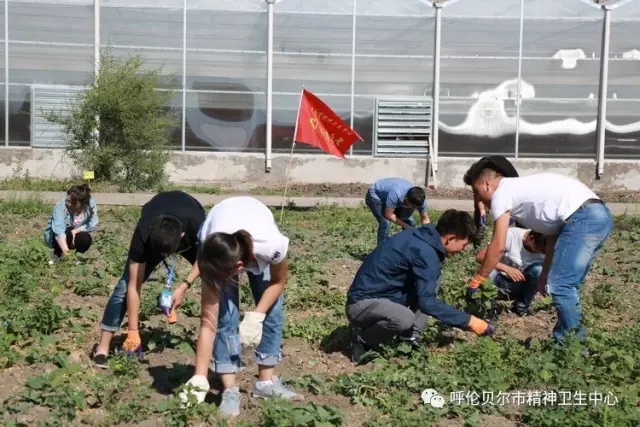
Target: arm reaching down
[(209, 308), (513, 273), (426, 286), (494, 251), (389, 213)]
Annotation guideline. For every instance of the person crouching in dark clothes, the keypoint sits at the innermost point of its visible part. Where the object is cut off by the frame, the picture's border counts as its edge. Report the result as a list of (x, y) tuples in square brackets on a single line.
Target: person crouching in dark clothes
[(396, 287)]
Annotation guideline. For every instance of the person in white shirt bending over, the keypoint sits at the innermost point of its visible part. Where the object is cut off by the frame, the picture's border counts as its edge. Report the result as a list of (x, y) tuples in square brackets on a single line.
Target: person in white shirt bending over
[(518, 272), (575, 221), (240, 234)]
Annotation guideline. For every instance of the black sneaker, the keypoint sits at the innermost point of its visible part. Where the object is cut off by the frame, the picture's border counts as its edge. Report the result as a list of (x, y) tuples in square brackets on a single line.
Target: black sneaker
[(358, 348), (521, 311), (100, 360)]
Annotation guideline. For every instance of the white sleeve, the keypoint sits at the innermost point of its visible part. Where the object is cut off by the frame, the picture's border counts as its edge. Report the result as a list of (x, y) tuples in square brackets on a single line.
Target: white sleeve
[(280, 250), (512, 236), (500, 204)]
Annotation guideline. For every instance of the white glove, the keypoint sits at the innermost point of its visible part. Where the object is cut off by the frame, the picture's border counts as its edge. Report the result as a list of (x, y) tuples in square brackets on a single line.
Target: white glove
[(198, 382), (251, 328)]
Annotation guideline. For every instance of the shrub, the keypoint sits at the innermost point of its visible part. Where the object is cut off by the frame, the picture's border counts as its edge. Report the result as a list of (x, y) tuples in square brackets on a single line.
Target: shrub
[(130, 147)]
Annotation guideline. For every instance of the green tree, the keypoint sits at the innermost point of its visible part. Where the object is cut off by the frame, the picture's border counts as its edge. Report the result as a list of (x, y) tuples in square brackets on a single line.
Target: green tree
[(130, 148)]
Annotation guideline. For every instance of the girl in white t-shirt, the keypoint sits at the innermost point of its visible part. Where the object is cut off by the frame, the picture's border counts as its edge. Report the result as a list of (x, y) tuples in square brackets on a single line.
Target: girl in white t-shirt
[(240, 234)]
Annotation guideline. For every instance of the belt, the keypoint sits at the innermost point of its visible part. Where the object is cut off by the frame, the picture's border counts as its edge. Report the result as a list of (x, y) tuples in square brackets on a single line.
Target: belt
[(585, 204), (591, 202)]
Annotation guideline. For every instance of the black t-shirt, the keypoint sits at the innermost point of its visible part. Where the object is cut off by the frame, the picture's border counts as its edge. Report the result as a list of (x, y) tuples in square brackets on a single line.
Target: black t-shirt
[(177, 203)]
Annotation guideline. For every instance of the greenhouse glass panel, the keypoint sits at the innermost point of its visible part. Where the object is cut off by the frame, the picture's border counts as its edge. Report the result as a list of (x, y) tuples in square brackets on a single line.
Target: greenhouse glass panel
[(226, 76)]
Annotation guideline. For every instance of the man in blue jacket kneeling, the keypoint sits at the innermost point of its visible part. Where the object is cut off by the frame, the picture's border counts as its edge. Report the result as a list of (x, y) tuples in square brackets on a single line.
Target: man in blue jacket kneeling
[(396, 287)]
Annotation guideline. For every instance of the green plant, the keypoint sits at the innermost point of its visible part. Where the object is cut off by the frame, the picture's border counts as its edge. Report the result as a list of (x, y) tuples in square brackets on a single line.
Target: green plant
[(281, 413), (123, 104)]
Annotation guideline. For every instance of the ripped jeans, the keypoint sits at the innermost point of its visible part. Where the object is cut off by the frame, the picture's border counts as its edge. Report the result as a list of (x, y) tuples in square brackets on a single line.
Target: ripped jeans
[(227, 349)]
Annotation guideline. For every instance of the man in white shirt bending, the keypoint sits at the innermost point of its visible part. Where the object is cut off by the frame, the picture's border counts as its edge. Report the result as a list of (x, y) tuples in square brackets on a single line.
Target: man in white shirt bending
[(518, 272), (575, 221)]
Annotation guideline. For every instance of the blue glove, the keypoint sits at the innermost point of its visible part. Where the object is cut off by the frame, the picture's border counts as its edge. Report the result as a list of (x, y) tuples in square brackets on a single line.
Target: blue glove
[(483, 221), (489, 331)]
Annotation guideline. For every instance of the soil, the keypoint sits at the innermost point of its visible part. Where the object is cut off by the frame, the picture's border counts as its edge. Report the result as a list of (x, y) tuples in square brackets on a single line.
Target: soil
[(170, 368)]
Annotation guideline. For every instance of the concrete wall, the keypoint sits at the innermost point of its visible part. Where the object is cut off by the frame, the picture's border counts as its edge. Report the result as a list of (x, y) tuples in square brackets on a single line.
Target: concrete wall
[(210, 168)]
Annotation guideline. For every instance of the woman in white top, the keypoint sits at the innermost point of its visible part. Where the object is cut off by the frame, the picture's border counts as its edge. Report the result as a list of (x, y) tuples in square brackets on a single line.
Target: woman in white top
[(240, 234)]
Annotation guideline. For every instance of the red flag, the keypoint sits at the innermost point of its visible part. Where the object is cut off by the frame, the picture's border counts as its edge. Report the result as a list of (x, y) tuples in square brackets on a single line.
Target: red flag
[(319, 126)]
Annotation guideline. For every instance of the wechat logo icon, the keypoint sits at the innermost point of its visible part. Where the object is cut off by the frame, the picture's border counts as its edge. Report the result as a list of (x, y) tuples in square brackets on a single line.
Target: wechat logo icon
[(432, 397)]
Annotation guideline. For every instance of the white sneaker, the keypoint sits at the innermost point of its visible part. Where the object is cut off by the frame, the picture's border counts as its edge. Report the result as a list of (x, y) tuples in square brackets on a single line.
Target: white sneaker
[(274, 388)]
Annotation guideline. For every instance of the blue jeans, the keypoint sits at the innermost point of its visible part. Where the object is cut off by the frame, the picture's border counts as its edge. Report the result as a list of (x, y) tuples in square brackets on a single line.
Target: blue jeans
[(227, 348), (579, 241), (377, 209), (521, 292), (117, 305)]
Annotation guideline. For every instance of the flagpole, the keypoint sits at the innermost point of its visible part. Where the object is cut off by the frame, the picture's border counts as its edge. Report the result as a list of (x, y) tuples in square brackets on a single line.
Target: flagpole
[(293, 145)]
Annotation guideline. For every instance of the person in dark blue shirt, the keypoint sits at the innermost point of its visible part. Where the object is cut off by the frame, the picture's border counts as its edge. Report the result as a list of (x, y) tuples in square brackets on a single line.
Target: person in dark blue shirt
[(393, 200), (396, 287)]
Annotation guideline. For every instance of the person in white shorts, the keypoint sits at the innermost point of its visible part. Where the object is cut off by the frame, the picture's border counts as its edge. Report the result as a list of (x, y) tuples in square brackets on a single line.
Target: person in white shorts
[(518, 272), (575, 221), (240, 234)]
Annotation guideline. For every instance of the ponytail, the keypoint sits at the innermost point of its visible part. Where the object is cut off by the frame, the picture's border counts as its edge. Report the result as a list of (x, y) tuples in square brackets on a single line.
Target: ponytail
[(245, 245), (220, 253)]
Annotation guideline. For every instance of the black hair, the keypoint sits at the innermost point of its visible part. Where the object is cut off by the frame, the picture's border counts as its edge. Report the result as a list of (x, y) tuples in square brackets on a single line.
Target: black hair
[(79, 194), (165, 234), (219, 254), (538, 238), (82, 242), (498, 164), (416, 196), (458, 223)]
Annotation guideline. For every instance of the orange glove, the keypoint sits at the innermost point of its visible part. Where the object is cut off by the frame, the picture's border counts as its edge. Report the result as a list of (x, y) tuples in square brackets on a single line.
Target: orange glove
[(172, 317), (133, 342), (476, 281), (480, 327), (474, 286)]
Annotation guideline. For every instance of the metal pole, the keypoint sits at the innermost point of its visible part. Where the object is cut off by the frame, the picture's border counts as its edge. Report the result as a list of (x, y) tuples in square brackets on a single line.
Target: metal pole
[(6, 73), (183, 140), (602, 95), (269, 135), (353, 68), (96, 58), (519, 95), (436, 84), (96, 37)]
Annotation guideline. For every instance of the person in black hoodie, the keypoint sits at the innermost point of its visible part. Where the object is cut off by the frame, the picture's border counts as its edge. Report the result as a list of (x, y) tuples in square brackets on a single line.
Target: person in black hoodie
[(396, 287)]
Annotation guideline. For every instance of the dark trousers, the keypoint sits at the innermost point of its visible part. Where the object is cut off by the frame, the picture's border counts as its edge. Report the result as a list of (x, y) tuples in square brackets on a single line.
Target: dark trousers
[(379, 320), (81, 244)]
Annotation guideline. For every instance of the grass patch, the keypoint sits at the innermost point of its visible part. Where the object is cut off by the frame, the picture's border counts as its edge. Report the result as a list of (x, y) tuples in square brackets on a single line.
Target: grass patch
[(48, 317)]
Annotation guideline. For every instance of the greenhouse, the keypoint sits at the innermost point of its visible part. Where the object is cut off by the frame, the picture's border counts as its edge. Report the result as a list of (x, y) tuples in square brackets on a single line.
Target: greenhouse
[(522, 78)]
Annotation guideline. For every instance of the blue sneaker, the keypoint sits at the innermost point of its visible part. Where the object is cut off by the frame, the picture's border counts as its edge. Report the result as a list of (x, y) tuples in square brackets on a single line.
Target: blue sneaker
[(230, 404)]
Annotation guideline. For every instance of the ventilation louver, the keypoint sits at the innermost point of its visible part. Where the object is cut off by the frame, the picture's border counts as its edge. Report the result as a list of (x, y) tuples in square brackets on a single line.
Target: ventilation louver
[(402, 126), (47, 99)]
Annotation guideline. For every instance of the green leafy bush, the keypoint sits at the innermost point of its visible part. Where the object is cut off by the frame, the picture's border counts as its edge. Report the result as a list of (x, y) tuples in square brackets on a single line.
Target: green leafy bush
[(130, 147)]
